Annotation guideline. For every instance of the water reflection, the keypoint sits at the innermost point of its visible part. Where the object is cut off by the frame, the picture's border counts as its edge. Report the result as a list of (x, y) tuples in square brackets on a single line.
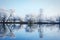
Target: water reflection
[(42, 29), (34, 28)]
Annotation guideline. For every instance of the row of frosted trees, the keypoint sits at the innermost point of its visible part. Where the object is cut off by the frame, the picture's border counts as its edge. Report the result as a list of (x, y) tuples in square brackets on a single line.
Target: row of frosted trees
[(8, 16)]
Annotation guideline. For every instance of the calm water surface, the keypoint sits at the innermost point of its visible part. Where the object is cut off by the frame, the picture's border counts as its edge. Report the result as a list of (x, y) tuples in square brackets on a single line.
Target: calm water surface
[(44, 32)]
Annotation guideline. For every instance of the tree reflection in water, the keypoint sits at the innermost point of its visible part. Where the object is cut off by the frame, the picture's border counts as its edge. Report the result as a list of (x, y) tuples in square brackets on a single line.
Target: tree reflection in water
[(10, 23)]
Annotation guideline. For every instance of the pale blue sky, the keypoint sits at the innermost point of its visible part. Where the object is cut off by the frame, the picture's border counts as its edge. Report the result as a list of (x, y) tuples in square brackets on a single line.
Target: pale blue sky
[(23, 7)]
